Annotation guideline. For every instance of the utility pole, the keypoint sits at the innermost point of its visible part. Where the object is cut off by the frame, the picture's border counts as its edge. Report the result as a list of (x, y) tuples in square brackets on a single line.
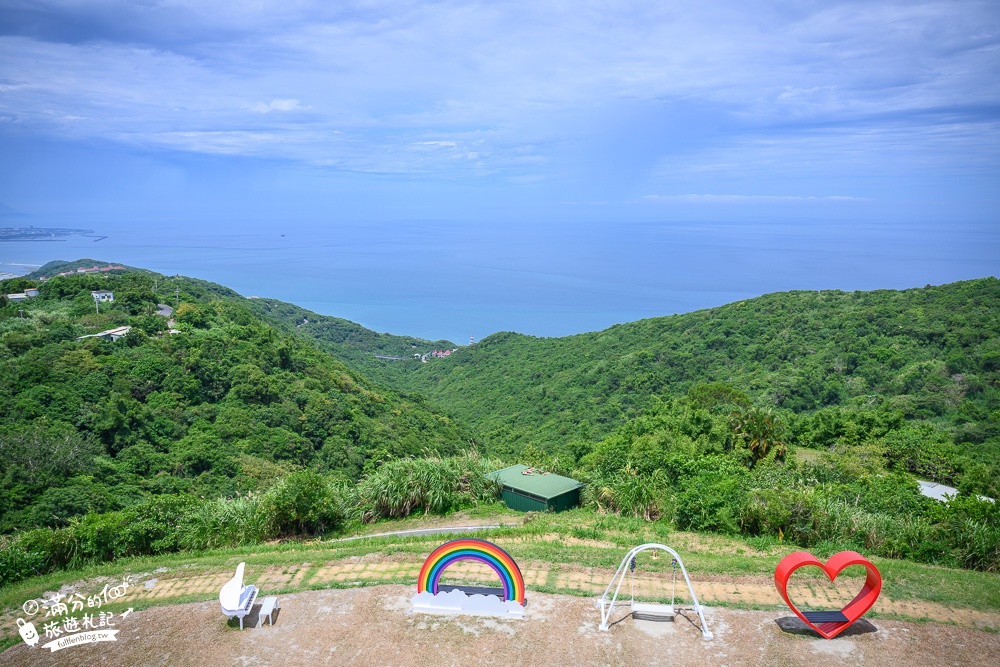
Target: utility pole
[(177, 300), (22, 313)]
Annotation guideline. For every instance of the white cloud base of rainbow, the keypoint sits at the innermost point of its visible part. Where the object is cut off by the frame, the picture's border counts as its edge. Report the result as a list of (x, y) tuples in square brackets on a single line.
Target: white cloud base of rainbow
[(457, 602)]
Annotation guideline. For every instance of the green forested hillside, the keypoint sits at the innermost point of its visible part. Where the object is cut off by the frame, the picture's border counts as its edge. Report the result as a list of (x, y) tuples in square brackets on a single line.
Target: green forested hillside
[(225, 405), (837, 367), (55, 267), (344, 339), (930, 353)]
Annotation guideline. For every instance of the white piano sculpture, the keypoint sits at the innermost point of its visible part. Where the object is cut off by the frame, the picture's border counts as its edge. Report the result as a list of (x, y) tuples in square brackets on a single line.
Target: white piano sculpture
[(236, 599)]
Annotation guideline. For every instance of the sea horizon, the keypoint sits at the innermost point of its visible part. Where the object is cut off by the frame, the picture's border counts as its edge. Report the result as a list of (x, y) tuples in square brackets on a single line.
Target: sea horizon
[(453, 280)]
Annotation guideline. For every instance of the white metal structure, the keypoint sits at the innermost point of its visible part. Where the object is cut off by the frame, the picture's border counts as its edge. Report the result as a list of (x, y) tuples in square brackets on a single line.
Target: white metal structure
[(606, 604)]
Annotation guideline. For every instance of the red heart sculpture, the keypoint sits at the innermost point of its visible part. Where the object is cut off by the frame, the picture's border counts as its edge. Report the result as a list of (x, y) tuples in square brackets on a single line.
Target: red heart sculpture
[(831, 624)]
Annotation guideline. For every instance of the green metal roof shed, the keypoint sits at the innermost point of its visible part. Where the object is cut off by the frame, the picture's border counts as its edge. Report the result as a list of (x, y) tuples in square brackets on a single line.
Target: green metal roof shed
[(529, 490)]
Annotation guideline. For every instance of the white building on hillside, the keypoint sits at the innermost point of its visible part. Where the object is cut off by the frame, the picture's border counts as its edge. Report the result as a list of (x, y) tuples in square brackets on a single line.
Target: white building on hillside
[(110, 335)]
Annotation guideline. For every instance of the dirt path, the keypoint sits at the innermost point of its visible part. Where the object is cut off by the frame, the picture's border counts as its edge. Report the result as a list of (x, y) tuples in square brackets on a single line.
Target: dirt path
[(418, 532), (374, 626)]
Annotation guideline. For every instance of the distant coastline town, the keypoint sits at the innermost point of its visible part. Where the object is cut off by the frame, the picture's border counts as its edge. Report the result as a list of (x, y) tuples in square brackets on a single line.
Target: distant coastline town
[(32, 233)]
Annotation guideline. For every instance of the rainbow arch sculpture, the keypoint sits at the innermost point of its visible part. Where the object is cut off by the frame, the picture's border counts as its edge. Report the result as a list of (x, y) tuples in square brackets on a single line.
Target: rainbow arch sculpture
[(474, 549)]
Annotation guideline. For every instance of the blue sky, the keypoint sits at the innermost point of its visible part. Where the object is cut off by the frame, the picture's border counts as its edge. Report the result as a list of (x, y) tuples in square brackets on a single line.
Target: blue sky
[(493, 111)]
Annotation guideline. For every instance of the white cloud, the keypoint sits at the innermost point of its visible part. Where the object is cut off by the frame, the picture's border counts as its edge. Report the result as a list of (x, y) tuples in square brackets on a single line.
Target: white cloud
[(457, 602), (410, 85), (277, 105), (751, 199)]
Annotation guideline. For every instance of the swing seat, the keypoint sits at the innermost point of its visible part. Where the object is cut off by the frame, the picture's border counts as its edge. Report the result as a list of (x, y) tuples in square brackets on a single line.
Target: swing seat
[(825, 616), (659, 612), (653, 612)]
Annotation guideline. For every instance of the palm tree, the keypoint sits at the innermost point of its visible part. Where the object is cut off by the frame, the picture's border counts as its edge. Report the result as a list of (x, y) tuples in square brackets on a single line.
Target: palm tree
[(760, 430)]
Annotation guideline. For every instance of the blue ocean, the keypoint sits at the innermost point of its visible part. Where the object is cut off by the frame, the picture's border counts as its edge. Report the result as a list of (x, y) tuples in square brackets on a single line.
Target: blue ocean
[(454, 280)]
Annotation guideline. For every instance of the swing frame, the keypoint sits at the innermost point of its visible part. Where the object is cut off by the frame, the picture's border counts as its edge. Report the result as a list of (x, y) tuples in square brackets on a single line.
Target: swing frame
[(607, 605)]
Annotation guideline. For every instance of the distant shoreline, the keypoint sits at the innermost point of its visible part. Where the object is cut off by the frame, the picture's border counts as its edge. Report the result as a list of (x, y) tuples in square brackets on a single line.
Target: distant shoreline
[(42, 233)]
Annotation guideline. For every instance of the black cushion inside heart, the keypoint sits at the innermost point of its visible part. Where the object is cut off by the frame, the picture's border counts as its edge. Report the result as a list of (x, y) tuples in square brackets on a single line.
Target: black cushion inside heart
[(816, 617)]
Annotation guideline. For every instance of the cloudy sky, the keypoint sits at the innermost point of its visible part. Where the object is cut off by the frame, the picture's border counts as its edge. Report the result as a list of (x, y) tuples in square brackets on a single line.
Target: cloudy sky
[(535, 110)]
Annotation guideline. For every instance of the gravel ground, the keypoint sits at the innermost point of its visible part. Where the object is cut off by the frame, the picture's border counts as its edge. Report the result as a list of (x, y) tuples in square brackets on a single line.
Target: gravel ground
[(374, 626)]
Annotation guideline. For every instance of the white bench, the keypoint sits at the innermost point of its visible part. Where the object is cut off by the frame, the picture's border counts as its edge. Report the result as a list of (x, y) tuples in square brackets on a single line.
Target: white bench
[(267, 607)]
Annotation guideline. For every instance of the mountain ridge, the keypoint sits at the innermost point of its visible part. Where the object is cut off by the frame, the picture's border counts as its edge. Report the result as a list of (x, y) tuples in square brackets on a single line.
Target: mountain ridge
[(924, 351)]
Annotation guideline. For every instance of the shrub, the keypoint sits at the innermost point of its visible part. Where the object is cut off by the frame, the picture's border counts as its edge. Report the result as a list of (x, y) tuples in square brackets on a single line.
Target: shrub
[(972, 528), (302, 504), (790, 514), (880, 533), (98, 537), (628, 493), (710, 502), (399, 488), (977, 545), (17, 562), (227, 522), (150, 527), (923, 450), (57, 546)]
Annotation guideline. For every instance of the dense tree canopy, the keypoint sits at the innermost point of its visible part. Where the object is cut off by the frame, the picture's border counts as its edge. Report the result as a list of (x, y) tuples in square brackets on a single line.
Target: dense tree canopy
[(834, 366), (94, 425)]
